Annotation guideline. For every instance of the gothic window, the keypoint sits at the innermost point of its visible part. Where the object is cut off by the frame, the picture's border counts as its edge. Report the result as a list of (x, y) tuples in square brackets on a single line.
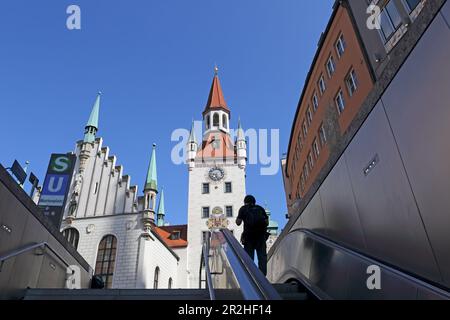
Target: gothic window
[(216, 120), (170, 283), (106, 258), (72, 236), (208, 122), (156, 278)]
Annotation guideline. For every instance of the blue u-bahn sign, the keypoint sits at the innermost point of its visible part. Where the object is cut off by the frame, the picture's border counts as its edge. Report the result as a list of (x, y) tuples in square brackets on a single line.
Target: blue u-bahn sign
[(56, 186)]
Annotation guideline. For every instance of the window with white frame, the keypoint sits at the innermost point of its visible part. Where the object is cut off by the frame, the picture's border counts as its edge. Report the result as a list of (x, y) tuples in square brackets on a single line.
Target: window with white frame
[(322, 85), (331, 67), (322, 135), (305, 171), (310, 161), (315, 102), (205, 188), (309, 116), (316, 150), (302, 182), (352, 82), (390, 20), (305, 129), (340, 45), (299, 142), (412, 4), (340, 103)]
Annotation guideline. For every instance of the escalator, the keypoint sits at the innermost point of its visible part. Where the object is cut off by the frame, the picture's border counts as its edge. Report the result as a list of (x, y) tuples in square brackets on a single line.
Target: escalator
[(228, 273), (307, 266)]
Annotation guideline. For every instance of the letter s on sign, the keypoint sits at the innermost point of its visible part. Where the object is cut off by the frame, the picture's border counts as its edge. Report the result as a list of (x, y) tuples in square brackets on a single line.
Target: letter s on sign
[(61, 164)]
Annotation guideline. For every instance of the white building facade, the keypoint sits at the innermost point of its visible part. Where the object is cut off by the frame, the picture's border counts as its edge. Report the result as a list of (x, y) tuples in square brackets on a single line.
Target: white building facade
[(119, 233)]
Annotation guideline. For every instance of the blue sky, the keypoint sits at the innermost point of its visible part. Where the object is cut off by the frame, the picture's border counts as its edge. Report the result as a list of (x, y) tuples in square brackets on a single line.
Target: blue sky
[(153, 60)]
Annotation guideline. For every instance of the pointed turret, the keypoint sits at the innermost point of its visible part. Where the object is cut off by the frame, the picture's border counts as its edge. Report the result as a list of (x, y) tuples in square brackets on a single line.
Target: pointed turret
[(216, 114), (241, 146), (216, 99), (151, 183), (150, 192), (192, 148), (92, 124), (161, 212)]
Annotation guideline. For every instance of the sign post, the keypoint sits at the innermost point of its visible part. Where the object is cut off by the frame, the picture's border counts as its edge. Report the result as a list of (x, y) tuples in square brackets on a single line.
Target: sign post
[(56, 187)]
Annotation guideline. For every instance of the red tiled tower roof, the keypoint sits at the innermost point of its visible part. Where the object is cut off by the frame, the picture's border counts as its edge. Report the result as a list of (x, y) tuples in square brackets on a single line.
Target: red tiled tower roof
[(216, 98)]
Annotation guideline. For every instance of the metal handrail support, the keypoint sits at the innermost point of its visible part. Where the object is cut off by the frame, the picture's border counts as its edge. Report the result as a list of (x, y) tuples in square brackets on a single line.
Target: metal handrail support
[(205, 261), (259, 280), (28, 248)]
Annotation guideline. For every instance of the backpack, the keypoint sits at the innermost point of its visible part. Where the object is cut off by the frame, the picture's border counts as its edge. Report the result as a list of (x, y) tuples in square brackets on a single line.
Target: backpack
[(256, 220)]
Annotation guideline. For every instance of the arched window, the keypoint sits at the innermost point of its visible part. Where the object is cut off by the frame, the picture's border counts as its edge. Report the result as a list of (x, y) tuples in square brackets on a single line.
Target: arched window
[(72, 236), (216, 120), (208, 122), (224, 121), (170, 283), (156, 278), (106, 258)]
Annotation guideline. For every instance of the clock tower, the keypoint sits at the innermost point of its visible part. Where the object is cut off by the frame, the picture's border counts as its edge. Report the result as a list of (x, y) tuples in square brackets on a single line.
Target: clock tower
[(216, 177)]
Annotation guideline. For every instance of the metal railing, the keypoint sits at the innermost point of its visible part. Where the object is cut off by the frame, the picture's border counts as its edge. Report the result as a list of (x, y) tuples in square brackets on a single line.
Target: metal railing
[(252, 284), (205, 263), (42, 245)]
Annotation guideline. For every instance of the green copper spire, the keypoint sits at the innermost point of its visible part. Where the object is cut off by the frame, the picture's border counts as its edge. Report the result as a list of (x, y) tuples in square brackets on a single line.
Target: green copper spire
[(152, 179), (92, 124), (161, 212)]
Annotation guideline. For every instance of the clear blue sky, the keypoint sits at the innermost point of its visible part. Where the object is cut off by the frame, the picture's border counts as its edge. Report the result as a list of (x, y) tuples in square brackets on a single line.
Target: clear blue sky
[(153, 60)]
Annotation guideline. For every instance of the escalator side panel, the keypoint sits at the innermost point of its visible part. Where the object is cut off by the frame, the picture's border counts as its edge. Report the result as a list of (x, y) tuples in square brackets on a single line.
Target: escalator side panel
[(336, 272), (323, 260)]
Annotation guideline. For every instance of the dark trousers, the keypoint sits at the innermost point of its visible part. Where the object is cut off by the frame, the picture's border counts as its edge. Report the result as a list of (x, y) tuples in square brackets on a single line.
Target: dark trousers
[(258, 245)]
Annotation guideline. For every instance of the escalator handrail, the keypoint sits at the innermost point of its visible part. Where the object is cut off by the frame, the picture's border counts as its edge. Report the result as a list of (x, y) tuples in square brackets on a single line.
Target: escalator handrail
[(209, 284), (402, 274), (266, 290)]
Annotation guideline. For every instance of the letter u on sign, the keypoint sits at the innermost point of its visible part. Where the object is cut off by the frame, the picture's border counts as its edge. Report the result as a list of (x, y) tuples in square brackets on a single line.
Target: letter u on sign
[(55, 186)]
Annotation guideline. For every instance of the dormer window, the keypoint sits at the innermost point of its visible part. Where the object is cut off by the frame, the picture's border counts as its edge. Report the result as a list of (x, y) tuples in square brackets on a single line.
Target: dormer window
[(175, 235)]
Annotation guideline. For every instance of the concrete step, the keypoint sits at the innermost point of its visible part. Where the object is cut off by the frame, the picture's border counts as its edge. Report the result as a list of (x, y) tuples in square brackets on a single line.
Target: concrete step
[(116, 294), (287, 292)]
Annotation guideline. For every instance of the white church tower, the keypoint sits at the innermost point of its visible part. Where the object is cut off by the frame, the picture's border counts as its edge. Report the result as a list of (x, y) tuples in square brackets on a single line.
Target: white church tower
[(216, 177)]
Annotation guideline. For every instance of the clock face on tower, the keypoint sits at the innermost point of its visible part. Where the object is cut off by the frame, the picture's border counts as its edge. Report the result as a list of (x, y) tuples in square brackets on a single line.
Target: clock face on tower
[(216, 174)]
